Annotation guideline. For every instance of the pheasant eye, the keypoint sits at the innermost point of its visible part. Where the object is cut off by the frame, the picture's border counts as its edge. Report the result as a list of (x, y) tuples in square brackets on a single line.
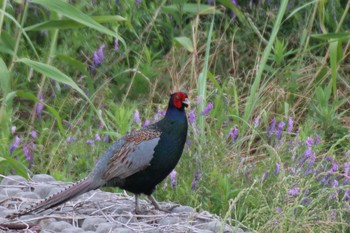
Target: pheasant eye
[(177, 97)]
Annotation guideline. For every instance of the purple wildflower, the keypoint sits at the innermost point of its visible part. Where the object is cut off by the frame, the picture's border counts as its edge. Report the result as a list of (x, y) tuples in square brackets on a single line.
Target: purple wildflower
[(309, 141), (192, 117), (277, 168), (346, 171), (271, 128), (40, 105), (33, 134), (256, 121), (90, 142), (294, 191), (138, 2), (27, 150), (99, 56), (346, 195), (106, 138), (13, 130), (292, 171), (280, 129), (308, 152), (290, 125), (15, 144), (207, 109), (137, 117), (98, 137), (317, 139), (196, 178), (335, 183), (172, 177), (159, 114), (312, 157), (116, 44), (234, 133), (278, 210), (70, 139), (188, 143), (146, 123), (334, 167)]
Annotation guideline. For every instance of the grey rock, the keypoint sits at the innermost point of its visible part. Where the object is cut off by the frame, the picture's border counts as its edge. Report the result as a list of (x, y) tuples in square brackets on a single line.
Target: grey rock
[(3, 197), (42, 178), (183, 209), (10, 192), (55, 190), (122, 230), (13, 180), (124, 220), (92, 223), (58, 226), (43, 190), (30, 195), (169, 221), (3, 220), (105, 227), (45, 223), (72, 230), (216, 226), (7, 212), (204, 231)]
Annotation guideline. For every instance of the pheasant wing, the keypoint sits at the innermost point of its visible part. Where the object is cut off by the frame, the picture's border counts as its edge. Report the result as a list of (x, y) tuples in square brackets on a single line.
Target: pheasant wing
[(134, 156)]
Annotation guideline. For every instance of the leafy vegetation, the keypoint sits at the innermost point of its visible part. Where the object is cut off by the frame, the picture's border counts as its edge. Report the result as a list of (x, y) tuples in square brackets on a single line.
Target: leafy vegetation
[(268, 147)]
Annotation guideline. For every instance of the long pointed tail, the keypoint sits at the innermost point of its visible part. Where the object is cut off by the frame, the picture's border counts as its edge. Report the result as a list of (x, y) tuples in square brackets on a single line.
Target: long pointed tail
[(58, 198)]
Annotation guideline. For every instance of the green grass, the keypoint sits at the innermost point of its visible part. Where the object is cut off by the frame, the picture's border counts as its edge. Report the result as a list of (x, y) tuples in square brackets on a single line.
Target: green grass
[(271, 63)]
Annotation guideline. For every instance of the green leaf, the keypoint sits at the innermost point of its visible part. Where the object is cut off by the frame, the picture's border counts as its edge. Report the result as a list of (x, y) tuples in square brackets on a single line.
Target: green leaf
[(5, 78), (69, 24), (75, 14), (16, 165), (333, 36), (241, 17), (333, 49), (191, 8), (185, 42), (53, 73)]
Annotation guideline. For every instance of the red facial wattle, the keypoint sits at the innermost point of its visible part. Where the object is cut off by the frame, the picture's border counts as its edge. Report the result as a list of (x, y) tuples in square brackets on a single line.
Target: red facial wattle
[(180, 100)]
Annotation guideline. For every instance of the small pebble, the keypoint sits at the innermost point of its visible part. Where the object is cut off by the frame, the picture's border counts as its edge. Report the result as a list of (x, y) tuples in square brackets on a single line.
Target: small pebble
[(123, 230), (42, 178), (58, 226), (72, 230), (29, 195), (91, 223), (183, 209), (169, 221), (13, 180), (105, 227), (43, 190), (10, 192)]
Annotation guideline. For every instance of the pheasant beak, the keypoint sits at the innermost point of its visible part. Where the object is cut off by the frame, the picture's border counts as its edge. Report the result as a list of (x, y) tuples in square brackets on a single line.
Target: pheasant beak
[(186, 102)]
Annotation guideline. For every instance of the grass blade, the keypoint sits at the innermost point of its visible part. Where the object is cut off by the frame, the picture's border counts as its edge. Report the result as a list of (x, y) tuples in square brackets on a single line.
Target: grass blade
[(75, 14)]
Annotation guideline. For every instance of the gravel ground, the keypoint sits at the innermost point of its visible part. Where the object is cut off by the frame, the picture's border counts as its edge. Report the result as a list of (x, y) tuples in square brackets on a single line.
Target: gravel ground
[(95, 211)]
